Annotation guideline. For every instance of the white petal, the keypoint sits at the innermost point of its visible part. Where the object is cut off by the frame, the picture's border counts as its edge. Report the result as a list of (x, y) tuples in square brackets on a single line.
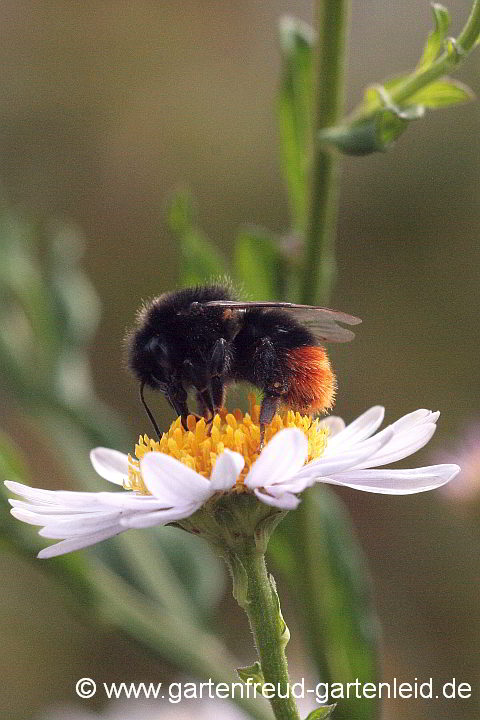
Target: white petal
[(327, 466), (334, 424), (110, 464), (294, 485), (282, 458), (68, 500), (171, 481), (77, 543), (34, 518), (160, 517), (360, 429), (45, 509), (227, 468), (131, 501), (396, 482), (286, 501), (75, 526), (415, 418), (33, 494), (401, 446)]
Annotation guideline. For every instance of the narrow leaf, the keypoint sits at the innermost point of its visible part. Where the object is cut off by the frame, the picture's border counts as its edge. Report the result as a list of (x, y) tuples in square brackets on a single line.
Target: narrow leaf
[(200, 261), (376, 134), (260, 266), (389, 126), (436, 38), (283, 630), (252, 671), (442, 93), (322, 713), (294, 111)]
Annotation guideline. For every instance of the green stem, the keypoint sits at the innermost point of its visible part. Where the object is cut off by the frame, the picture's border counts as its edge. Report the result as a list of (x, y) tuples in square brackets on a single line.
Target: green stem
[(176, 639), (318, 270), (442, 65), (261, 606)]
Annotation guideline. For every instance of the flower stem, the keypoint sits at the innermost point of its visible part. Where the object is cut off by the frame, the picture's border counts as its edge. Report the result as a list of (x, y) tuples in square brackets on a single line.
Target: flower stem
[(319, 264), (261, 605)]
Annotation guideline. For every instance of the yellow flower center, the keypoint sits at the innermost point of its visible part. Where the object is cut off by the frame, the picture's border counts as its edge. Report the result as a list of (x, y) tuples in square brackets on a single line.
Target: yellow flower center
[(200, 445)]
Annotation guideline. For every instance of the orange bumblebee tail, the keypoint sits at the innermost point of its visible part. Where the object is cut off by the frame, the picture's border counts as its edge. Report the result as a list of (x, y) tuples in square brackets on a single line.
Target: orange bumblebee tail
[(312, 383)]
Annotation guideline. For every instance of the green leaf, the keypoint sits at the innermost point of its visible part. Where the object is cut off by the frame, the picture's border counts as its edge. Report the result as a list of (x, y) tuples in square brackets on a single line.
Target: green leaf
[(322, 713), (436, 38), (389, 127), (294, 112), (27, 320), (252, 671), (442, 93), (200, 261), (260, 267), (282, 626), (77, 303), (374, 135), (332, 582)]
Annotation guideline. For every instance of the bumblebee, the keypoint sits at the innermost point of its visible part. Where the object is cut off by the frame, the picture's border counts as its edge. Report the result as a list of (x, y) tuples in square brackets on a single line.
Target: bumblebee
[(203, 339)]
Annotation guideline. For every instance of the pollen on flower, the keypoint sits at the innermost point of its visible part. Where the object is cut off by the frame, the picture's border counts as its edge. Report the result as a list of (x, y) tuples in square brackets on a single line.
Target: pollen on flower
[(200, 445)]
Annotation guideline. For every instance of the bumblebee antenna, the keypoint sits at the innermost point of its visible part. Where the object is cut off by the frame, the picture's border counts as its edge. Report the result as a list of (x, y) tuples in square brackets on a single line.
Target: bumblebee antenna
[(148, 411)]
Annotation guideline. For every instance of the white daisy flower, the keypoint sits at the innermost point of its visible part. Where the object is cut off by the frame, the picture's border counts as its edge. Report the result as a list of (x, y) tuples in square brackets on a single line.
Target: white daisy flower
[(177, 476)]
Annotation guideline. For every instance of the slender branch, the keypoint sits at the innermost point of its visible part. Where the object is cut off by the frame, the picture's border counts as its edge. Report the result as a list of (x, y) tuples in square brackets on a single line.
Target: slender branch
[(446, 62), (318, 270), (263, 614)]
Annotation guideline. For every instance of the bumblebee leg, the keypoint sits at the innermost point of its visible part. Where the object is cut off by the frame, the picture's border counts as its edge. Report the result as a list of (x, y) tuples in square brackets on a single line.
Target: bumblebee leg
[(268, 375), (268, 409), (217, 388), (205, 403), (202, 403), (218, 367), (177, 397)]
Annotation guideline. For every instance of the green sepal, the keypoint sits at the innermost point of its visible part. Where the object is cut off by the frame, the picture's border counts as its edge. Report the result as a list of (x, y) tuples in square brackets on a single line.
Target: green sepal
[(200, 261), (281, 624), (436, 39), (252, 671), (322, 713)]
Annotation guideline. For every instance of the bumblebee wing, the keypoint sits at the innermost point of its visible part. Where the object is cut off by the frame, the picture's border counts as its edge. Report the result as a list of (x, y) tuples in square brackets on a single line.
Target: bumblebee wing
[(322, 322)]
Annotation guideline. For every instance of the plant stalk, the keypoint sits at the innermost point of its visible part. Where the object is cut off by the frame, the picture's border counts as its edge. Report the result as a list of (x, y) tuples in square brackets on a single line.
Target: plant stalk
[(319, 269), (266, 623), (319, 262)]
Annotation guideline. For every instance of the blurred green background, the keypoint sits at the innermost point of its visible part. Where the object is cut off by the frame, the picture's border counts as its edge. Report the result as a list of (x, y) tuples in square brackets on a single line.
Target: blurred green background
[(105, 109)]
